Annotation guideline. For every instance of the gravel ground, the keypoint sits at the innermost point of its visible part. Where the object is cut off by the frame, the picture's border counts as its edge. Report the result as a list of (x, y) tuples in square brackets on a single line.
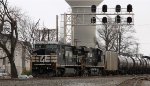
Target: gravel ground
[(79, 81), (145, 83)]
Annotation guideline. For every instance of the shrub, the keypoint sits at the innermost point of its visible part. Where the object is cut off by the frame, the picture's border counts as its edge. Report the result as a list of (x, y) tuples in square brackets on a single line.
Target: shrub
[(26, 72)]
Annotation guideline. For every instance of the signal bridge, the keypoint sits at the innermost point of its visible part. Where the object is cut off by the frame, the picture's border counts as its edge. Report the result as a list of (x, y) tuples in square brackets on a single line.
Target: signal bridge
[(85, 17)]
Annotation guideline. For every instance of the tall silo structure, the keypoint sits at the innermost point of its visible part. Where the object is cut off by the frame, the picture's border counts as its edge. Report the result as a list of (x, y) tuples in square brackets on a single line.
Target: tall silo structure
[(83, 31)]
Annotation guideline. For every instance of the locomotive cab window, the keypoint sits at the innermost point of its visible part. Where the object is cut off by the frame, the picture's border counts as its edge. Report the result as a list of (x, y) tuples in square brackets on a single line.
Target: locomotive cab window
[(51, 48), (37, 46), (39, 52)]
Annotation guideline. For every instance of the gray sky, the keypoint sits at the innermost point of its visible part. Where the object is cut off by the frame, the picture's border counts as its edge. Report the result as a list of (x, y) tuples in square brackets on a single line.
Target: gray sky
[(46, 10)]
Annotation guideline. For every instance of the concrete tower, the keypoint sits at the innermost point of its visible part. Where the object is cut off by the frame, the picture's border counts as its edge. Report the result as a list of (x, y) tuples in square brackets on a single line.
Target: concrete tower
[(83, 31)]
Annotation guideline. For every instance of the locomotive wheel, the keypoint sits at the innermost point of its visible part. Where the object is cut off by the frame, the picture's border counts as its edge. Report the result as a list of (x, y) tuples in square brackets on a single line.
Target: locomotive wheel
[(99, 72), (52, 73), (85, 72), (77, 72), (60, 72), (89, 72), (34, 74)]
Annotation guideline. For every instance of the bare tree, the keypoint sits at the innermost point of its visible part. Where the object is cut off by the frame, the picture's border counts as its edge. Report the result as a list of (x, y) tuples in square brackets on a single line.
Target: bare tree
[(27, 34), (128, 41), (116, 37), (27, 29), (9, 32), (108, 34)]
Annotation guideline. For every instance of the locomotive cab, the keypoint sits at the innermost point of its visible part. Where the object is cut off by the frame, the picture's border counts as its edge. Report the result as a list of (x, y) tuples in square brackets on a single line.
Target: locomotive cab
[(44, 58)]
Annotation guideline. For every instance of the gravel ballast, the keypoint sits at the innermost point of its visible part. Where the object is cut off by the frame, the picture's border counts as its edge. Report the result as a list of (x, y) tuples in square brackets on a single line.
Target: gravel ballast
[(74, 81)]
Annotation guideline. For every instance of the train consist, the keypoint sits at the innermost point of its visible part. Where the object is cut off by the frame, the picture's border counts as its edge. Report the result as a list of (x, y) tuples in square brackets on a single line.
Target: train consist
[(53, 59)]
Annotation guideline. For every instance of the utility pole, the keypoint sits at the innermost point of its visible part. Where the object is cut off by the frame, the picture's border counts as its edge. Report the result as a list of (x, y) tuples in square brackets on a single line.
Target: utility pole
[(137, 49), (119, 39), (106, 44), (56, 28)]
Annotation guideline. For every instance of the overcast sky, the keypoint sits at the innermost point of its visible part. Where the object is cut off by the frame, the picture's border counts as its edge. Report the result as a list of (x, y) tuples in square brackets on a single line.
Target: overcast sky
[(46, 10)]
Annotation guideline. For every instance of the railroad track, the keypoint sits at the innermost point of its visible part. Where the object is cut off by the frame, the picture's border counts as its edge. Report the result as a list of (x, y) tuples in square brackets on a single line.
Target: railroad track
[(135, 81)]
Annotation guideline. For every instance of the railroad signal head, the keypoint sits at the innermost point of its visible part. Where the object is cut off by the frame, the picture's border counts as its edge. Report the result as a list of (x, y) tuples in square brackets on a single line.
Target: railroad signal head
[(129, 20), (104, 19), (118, 8), (129, 8), (118, 19), (93, 20), (104, 8), (93, 8)]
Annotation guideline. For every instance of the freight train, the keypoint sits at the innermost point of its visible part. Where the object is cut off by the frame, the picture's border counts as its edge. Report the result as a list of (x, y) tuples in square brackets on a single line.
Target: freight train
[(53, 59)]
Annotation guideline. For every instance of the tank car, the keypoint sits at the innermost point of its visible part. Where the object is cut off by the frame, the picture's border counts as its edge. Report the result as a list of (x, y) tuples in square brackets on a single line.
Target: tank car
[(126, 64)]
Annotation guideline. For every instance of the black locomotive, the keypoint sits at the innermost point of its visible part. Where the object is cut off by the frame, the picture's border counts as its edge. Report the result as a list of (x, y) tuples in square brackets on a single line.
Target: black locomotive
[(58, 60), (53, 59)]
